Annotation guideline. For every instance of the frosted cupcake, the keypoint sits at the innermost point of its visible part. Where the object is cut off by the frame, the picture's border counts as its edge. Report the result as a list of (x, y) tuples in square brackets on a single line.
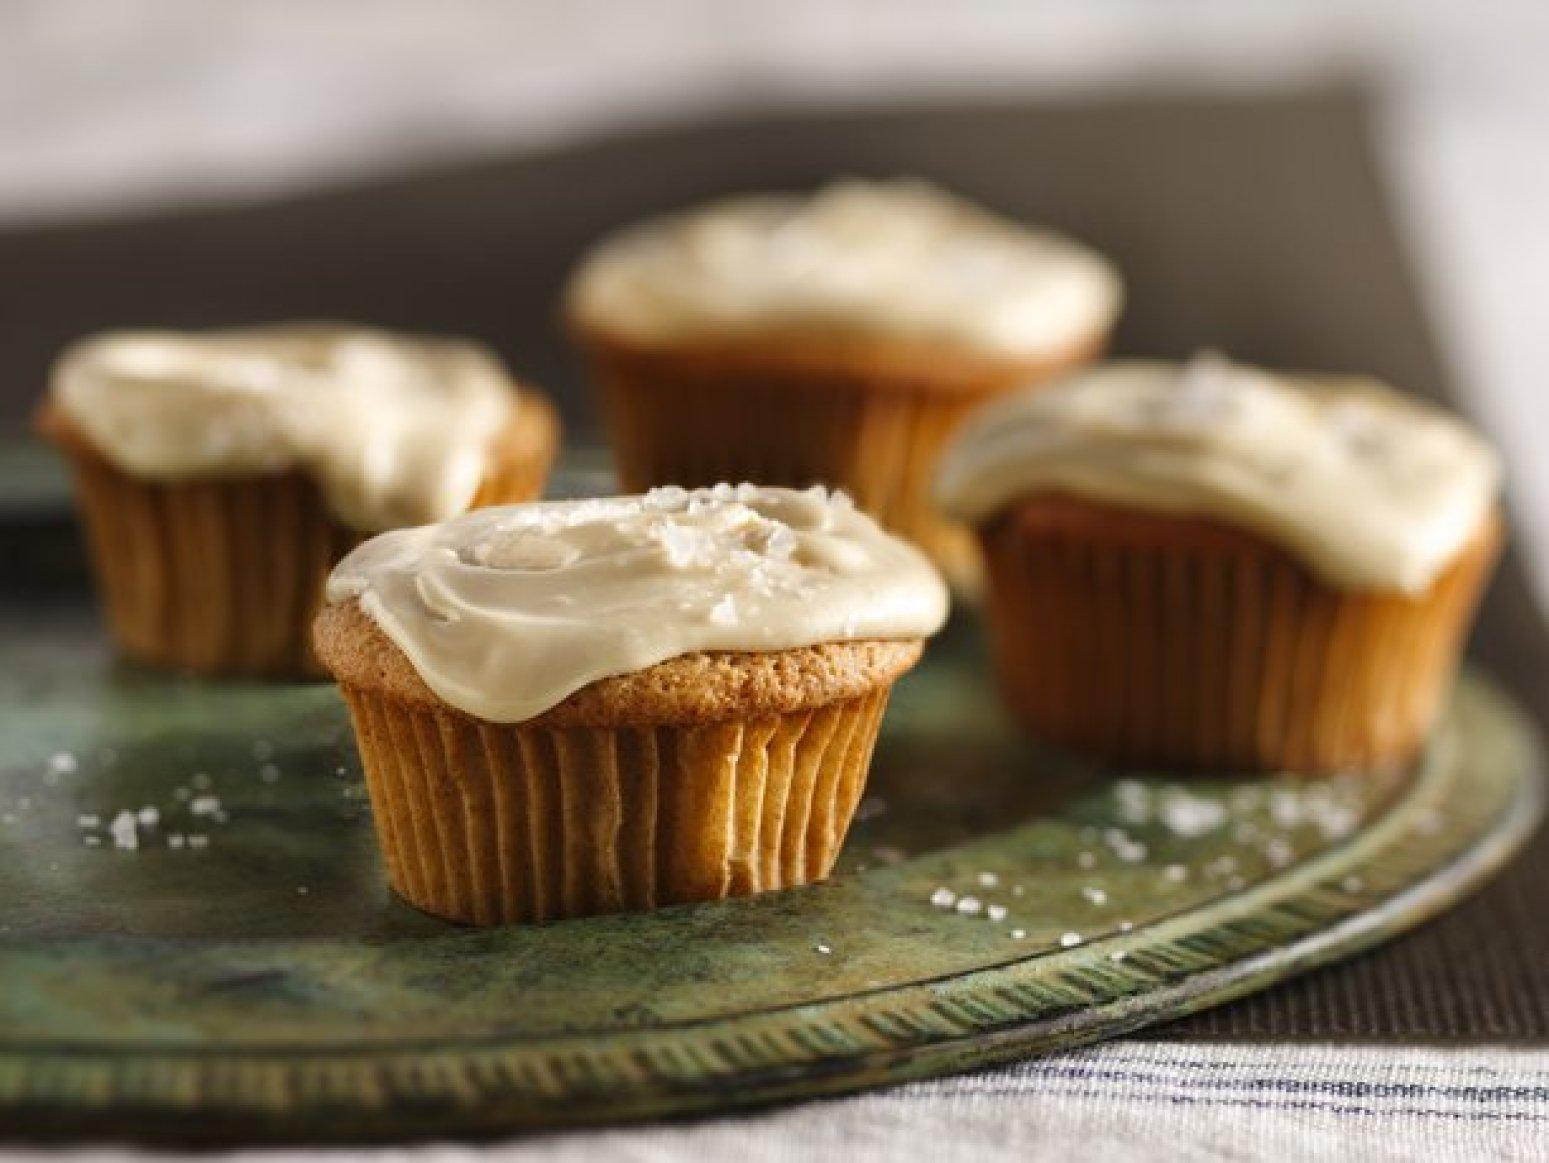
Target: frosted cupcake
[(592, 706), (836, 338), (221, 475), (1215, 566)]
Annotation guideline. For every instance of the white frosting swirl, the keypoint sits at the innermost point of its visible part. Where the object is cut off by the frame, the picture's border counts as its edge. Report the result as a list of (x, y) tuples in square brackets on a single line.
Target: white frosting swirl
[(898, 258), (1369, 488), (395, 430), (506, 611)]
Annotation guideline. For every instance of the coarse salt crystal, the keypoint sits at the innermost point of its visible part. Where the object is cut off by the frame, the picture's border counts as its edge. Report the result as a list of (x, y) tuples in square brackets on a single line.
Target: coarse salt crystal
[(1190, 816), (124, 832), (1279, 853), (1125, 847), (1336, 821), (1285, 808), (1134, 800)]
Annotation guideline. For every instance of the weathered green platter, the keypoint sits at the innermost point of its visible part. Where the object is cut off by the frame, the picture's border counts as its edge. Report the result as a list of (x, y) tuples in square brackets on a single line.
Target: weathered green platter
[(242, 974)]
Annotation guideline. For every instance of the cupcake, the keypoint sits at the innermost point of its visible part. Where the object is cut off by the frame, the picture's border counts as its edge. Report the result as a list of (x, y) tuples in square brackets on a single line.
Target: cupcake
[(1211, 566), (836, 339), (617, 704), (221, 475)]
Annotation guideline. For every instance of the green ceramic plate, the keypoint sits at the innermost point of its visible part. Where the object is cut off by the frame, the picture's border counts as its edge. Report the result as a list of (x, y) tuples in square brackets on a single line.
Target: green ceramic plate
[(195, 941)]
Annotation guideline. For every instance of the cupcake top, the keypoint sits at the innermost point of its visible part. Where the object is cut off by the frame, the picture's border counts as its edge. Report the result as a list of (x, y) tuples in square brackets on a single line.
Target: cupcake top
[(395, 430), (1372, 490), (506, 611), (897, 259)]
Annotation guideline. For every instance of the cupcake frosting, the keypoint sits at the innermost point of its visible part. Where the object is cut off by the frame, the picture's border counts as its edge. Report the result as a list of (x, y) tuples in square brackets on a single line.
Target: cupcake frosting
[(506, 611), (897, 258), (1370, 489), (395, 430)]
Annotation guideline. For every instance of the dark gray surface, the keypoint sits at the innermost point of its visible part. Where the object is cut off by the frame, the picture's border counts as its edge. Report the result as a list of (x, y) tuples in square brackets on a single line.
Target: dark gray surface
[(1259, 226)]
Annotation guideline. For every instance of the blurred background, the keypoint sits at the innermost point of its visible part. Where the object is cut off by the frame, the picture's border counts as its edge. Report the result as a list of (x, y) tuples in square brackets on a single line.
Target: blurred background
[(440, 165)]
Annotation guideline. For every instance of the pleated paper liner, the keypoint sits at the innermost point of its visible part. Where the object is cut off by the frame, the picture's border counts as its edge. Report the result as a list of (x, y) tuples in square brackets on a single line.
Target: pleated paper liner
[(492, 824), (225, 576), (210, 576), (870, 418), (1177, 641)]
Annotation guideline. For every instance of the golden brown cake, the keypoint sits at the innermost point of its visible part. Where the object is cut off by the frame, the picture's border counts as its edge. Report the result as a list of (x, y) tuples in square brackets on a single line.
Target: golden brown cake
[(836, 339), (220, 477), (1213, 567), (585, 707)]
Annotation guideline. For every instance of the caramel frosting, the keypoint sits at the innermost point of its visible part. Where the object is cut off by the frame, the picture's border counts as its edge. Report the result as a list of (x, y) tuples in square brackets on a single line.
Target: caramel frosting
[(396, 430), (506, 611), (896, 258), (1371, 489)]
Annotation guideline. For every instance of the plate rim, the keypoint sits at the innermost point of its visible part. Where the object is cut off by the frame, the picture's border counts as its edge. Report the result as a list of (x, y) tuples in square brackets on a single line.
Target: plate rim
[(975, 1018)]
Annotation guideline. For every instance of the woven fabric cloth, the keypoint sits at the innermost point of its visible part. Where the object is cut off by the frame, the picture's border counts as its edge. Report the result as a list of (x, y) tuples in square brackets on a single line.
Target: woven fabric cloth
[(1142, 1101)]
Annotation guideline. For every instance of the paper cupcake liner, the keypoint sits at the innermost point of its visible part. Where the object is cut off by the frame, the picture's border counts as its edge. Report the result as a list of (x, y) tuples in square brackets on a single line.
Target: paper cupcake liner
[(213, 577), (225, 576), (1151, 639), (493, 824), (699, 418)]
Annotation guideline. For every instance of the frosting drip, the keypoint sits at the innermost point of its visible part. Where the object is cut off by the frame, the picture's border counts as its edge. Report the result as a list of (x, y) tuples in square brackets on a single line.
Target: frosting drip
[(395, 430), (506, 611), (895, 258), (1369, 488)]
